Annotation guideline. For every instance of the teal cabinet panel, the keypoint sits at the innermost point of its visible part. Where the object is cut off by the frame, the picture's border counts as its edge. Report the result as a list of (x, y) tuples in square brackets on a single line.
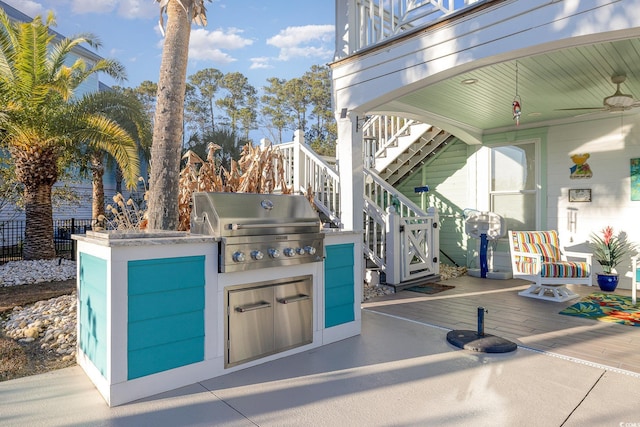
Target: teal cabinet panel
[(340, 277), (92, 314), (151, 360), (340, 296), (165, 324), (340, 255), (338, 315), (158, 275), (165, 330), (165, 304), (339, 285)]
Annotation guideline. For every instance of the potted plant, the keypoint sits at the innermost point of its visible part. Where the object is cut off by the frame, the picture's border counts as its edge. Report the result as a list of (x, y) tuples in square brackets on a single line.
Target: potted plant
[(608, 250)]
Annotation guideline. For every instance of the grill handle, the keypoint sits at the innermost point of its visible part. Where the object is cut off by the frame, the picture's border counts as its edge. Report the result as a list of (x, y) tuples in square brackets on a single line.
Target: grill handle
[(251, 307), (272, 225), (297, 298)]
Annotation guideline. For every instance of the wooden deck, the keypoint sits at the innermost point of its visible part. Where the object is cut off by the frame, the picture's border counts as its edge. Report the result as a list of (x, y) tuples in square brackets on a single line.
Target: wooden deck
[(528, 322)]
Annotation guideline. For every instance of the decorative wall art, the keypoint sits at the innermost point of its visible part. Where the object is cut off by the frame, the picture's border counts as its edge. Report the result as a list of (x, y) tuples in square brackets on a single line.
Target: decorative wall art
[(634, 173), (580, 168), (580, 195)]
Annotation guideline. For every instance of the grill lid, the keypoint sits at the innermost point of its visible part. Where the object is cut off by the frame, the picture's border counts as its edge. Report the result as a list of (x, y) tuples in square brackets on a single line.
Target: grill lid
[(250, 214)]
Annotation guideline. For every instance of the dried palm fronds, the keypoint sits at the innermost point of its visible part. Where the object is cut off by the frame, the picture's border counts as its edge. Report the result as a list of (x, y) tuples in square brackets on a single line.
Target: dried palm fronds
[(257, 171)]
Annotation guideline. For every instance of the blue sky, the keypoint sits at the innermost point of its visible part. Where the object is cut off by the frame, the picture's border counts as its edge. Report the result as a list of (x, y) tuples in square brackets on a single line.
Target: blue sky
[(260, 39)]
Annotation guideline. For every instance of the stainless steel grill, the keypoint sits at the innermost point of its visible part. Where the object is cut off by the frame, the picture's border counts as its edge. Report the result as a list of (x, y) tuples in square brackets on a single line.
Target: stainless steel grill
[(259, 230)]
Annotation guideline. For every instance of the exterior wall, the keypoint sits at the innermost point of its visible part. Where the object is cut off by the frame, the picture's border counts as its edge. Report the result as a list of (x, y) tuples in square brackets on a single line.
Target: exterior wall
[(611, 143), (459, 180), (447, 178)]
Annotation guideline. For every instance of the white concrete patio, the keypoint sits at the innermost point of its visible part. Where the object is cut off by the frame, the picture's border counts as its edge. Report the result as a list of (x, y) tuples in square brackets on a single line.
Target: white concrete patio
[(398, 372)]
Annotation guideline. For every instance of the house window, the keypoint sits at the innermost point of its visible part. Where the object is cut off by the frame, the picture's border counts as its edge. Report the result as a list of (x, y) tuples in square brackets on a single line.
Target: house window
[(514, 184)]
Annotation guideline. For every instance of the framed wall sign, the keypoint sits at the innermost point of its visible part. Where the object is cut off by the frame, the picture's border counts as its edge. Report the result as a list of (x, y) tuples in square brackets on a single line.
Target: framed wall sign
[(580, 195)]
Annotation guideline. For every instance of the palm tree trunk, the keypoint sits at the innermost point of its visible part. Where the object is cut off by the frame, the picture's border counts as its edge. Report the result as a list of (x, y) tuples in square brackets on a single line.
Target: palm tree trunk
[(38, 232), (167, 132), (36, 169), (97, 174), (119, 178)]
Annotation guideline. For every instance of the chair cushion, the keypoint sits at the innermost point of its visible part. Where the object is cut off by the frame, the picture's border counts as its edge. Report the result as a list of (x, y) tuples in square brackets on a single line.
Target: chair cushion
[(549, 252), (557, 269), (545, 243)]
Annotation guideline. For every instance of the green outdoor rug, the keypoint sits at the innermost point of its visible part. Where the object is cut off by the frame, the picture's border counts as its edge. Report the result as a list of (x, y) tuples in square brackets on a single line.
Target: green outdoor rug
[(606, 308), (429, 288)]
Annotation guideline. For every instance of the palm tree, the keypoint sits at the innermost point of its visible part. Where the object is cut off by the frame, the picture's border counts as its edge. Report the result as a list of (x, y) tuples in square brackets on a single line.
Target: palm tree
[(42, 120), (128, 112), (168, 124)]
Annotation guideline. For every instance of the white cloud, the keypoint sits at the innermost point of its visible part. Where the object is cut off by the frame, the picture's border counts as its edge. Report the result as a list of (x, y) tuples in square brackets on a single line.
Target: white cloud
[(210, 45), (309, 41), (130, 9), (260, 63), (138, 9), (29, 7)]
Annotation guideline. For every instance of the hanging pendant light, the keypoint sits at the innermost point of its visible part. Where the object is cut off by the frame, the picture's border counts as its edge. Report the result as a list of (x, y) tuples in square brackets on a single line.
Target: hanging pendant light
[(516, 104)]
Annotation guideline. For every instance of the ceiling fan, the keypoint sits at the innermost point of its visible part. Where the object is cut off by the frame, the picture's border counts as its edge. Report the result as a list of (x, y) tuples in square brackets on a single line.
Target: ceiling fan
[(617, 102)]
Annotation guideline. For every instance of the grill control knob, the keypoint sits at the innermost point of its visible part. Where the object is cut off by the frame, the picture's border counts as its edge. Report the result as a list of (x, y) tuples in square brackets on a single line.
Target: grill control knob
[(238, 257), (300, 251), (310, 250), (274, 253), (289, 252), (257, 255)]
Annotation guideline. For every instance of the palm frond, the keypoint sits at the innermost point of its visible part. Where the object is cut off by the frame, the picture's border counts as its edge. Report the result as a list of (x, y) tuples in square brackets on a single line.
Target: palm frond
[(105, 134)]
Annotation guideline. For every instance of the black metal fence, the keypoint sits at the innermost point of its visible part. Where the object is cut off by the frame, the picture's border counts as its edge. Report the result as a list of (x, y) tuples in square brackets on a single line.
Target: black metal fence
[(12, 237)]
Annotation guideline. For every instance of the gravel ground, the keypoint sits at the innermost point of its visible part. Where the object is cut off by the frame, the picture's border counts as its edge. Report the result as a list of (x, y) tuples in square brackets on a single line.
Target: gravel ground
[(27, 290), (377, 290)]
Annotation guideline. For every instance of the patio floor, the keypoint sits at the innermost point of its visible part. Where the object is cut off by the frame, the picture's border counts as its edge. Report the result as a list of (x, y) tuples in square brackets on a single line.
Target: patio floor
[(528, 322), (396, 373)]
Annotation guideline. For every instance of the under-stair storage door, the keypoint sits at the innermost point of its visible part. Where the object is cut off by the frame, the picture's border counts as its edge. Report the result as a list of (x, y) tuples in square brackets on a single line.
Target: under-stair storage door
[(294, 314), (250, 323)]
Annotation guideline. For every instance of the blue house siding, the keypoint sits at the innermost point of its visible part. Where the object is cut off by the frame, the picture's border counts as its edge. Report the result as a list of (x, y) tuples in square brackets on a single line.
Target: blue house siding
[(92, 316), (339, 285), (165, 314)]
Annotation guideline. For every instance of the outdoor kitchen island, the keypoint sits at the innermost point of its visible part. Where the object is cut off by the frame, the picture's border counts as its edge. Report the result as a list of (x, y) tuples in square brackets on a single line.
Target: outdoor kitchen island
[(153, 308)]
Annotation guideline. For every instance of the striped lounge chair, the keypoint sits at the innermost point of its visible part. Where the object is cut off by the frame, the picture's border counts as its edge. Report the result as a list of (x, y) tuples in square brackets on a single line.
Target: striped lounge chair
[(536, 257)]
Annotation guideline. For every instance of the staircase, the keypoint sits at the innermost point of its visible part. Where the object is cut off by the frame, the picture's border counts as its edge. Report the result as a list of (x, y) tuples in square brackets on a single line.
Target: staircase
[(395, 147), (400, 239)]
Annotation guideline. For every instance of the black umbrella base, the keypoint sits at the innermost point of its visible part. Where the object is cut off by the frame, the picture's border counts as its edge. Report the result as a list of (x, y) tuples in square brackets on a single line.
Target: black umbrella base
[(487, 343)]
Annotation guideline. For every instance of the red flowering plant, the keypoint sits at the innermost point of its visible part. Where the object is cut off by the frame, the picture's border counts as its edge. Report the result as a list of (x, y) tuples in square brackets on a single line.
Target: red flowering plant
[(608, 249)]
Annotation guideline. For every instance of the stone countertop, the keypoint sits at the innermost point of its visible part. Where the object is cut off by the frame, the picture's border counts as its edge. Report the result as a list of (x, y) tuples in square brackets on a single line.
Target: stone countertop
[(339, 231), (142, 238)]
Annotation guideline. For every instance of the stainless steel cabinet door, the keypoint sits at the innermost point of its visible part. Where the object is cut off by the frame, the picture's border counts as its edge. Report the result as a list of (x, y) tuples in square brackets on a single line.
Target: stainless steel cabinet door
[(250, 324), (293, 314)]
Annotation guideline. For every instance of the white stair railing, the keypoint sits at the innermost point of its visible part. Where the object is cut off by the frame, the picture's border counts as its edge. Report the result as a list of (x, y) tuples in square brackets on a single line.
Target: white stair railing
[(402, 241), (405, 248), (306, 171)]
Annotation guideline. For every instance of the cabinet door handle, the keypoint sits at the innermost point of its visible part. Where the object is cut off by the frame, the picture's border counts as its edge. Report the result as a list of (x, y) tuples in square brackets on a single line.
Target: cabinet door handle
[(298, 298), (251, 307)]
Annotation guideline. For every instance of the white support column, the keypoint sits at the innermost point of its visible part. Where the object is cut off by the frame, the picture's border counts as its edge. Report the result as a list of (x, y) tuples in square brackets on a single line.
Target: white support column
[(351, 171), (298, 140), (393, 256)]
